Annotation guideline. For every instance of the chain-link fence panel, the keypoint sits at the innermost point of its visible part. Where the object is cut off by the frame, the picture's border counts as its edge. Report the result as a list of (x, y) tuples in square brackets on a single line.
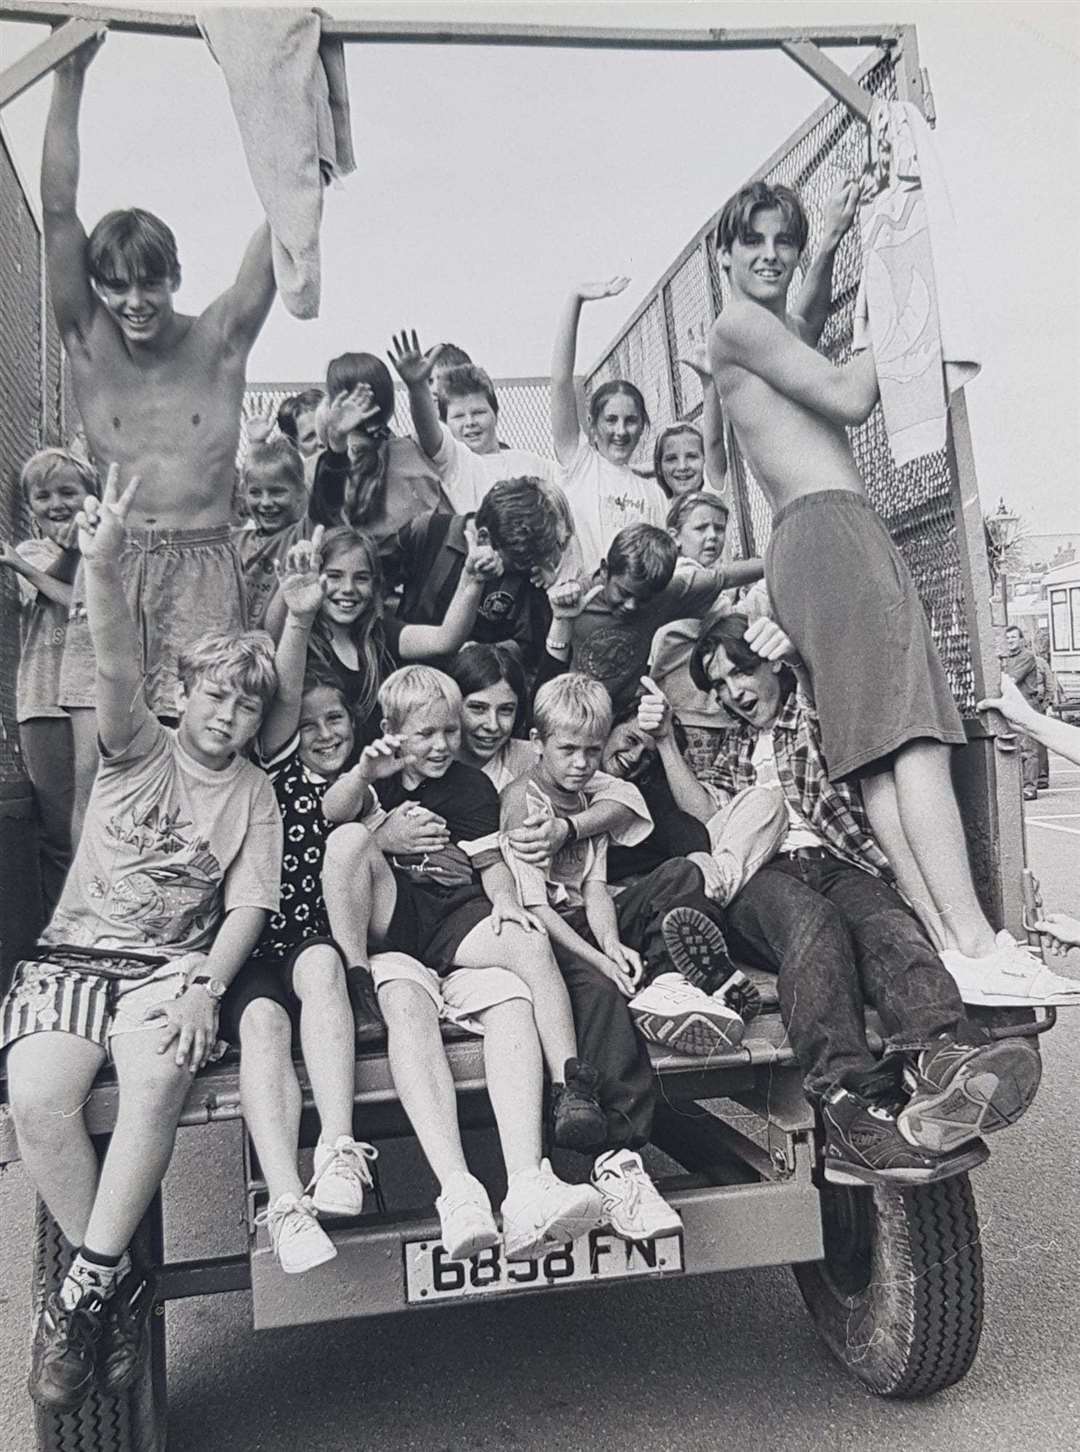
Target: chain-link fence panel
[(916, 502)]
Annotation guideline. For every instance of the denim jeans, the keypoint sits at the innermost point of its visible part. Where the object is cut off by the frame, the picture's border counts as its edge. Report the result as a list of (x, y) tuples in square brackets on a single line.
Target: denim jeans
[(840, 939)]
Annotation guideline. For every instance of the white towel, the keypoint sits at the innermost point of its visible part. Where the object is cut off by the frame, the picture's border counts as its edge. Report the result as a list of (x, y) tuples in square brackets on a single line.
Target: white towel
[(920, 323), (288, 92)]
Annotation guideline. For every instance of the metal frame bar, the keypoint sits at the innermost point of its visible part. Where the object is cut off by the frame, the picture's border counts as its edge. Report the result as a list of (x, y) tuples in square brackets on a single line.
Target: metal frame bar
[(36, 63), (828, 74)]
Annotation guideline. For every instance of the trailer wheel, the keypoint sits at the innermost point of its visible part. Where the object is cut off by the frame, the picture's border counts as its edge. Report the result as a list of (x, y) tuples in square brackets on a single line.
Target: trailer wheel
[(898, 1297), (134, 1422)]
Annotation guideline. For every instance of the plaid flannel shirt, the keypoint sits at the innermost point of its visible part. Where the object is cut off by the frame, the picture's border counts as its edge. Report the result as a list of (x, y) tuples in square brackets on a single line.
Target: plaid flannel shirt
[(833, 809)]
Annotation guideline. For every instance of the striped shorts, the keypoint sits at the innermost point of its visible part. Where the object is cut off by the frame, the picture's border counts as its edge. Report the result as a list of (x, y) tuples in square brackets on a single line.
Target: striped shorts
[(48, 997)]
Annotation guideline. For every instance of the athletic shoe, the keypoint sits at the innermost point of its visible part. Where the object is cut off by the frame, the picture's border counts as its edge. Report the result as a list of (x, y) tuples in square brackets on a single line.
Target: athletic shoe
[(342, 1173), (1012, 976), (696, 948), (675, 1014), (63, 1352), (963, 1091), (541, 1211), (863, 1146), (578, 1121), (298, 1240), (740, 995), (127, 1315), (633, 1206), (1030, 794), (465, 1219)]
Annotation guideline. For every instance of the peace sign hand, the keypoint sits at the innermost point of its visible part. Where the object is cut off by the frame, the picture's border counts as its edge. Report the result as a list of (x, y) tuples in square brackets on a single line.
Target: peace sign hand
[(101, 521)]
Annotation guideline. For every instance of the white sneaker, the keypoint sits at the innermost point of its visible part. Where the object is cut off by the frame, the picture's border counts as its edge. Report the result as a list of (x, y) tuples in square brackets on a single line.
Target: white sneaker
[(633, 1206), (342, 1174), (298, 1240), (1012, 976), (541, 1211), (679, 1016), (465, 1218)]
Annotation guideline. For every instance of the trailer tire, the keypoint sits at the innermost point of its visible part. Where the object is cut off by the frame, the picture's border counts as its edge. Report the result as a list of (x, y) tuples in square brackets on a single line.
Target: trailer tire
[(133, 1422), (898, 1298)]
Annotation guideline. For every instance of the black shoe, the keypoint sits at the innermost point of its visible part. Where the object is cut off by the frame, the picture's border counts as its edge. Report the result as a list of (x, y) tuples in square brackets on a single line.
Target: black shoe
[(127, 1315), (578, 1121), (864, 1147), (740, 995), (697, 948), (963, 1091), (63, 1352)]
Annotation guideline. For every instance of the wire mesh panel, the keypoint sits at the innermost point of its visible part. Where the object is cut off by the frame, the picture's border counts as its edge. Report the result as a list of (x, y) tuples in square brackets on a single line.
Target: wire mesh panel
[(916, 502)]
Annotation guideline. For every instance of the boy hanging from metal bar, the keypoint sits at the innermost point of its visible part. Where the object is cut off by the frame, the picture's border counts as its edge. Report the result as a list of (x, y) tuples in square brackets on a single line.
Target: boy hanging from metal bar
[(160, 394), (843, 594)]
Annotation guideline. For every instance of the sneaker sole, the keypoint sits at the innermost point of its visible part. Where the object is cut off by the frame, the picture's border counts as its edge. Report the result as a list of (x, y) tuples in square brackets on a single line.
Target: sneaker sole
[(310, 1261), (742, 988), (572, 1221), (696, 946), (67, 1403), (997, 1089), (693, 1032), (472, 1245), (636, 1234), (974, 995), (581, 1135), (843, 1172)]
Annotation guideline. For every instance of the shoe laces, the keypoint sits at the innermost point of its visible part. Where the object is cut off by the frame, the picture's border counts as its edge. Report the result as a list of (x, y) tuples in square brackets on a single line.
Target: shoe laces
[(461, 1195), (287, 1217), (351, 1161)]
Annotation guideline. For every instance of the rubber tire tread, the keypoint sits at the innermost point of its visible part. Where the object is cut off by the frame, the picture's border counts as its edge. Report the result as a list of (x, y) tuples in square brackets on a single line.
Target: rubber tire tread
[(134, 1422), (915, 1329)]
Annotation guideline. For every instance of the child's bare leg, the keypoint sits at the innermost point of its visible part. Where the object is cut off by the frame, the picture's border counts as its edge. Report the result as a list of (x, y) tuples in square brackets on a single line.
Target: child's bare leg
[(529, 955), (359, 891), (422, 1075), (327, 1037), (932, 826), (153, 1088), (50, 1076), (270, 1094), (84, 736), (883, 809), (514, 1073)]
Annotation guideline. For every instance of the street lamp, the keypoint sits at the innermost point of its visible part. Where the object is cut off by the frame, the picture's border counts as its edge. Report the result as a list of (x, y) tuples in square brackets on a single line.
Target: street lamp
[(1002, 532)]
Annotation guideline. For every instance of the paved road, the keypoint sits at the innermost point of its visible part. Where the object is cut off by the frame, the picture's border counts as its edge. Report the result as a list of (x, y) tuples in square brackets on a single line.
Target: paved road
[(693, 1365)]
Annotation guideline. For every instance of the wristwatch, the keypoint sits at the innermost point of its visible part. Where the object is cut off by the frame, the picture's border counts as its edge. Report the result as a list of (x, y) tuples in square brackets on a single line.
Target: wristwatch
[(214, 986)]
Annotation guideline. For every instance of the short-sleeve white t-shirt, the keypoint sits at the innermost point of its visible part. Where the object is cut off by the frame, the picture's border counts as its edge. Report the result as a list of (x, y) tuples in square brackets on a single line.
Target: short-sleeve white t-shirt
[(167, 848), (605, 498), (467, 477)]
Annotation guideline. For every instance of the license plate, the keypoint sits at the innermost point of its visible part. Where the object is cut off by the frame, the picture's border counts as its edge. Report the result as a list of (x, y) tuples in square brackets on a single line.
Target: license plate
[(430, 1274)]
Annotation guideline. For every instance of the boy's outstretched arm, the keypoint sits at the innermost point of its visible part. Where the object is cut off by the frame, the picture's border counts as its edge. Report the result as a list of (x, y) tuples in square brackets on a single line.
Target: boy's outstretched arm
[(1056, 735), (242, 309), (300, 587), (749, 337), (565, 422), (414, 367), (72, 296), (121, 706), (811, 310), (712, 417)]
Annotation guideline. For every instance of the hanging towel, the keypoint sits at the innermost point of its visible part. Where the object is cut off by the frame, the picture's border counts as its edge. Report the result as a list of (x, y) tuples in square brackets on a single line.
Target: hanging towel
[(914, 286), (288, 92)]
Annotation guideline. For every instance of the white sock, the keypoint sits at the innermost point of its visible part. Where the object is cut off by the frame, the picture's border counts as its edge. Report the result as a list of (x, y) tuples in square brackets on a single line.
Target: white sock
[(87, 1275)]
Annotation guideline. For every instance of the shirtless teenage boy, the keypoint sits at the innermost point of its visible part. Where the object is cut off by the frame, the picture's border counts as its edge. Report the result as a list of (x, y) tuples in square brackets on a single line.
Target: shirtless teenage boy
[(839, 587), (160, 395)]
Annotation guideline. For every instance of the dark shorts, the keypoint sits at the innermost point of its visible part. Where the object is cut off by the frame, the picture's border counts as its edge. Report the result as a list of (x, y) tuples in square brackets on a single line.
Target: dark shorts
[(265, 978), (432, 927), (845, 597), (181, 584)]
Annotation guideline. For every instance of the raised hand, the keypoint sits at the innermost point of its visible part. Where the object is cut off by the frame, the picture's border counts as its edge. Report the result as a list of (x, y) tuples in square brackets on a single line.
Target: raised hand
[(697, 358), (414, 366), (654, 710), (568, 601), (76, 64), (258, 430), (300, 577), (101, 521), (840, 210), (351, 410), (610, 287), (382, 758)]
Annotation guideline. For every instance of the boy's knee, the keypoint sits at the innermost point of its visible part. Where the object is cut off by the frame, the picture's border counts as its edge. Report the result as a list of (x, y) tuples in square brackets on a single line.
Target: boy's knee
[(678, 876), (406, 1005), (347, 844), (319, 972), (265, 1023)]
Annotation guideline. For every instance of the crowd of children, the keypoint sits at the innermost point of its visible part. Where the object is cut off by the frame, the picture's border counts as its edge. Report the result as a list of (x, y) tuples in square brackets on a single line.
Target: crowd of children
[(420, 771)]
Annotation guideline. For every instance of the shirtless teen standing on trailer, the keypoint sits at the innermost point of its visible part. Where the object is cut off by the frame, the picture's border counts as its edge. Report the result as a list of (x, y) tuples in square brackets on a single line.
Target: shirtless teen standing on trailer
[(160, 394), (841, 590)]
